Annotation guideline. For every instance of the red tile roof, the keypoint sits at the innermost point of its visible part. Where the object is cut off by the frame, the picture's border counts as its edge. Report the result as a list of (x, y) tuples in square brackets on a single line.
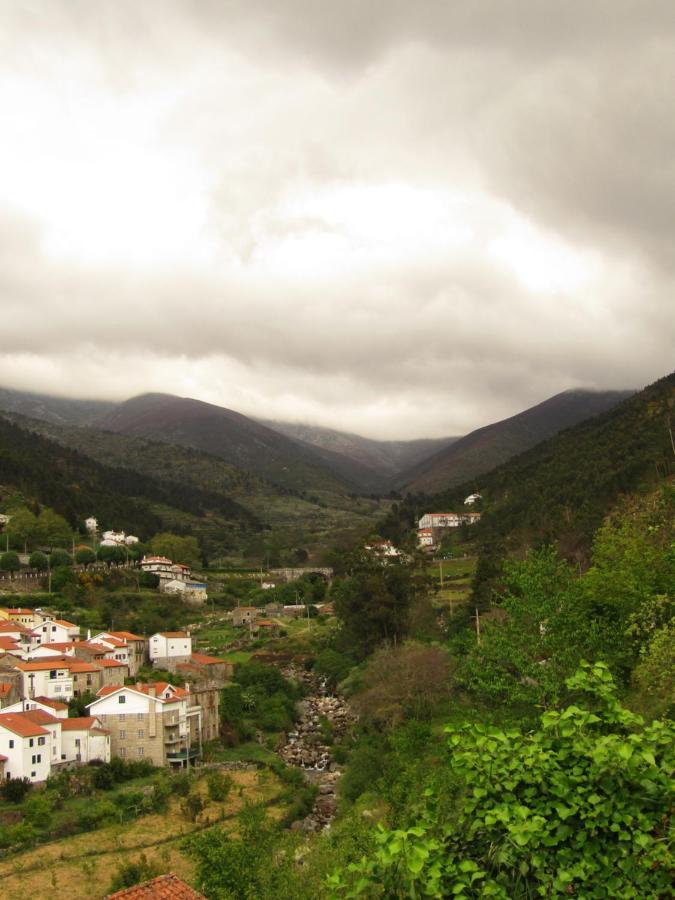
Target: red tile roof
[(5, 689), (65, 624), (8, 643), (47, 701), (80, 723), (174, 634), (40, 717), (165, 887), (40, 665), (125, 636), (21, 724), (201, 659), (7, 627)]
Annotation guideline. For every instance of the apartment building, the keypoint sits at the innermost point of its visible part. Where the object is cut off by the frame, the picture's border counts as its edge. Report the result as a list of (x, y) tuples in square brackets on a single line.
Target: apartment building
[(157, 721)]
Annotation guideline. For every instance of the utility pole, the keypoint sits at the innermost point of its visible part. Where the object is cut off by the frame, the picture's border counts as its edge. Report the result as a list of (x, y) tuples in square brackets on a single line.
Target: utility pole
[(477, 627), (440, 568)]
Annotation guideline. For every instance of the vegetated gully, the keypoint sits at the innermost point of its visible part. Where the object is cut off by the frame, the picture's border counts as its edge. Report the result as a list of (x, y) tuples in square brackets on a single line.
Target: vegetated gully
[(321, 714)]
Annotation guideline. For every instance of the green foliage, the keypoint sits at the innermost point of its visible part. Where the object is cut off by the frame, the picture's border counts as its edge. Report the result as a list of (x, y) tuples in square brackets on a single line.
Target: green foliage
[(148, 580), (374, 603), (85, 557), (536, 641), (249, 867), (77, 706), (59, 558), (39, 560), (22, 526), (177, 548), (9, 561), (15, 789), (192, 805), (333, 666), (219, 785), (580, 807), (132, 873)]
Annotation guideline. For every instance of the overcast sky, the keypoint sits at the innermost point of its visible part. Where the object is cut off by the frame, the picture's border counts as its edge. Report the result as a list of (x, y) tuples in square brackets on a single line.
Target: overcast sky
[(398, 218)]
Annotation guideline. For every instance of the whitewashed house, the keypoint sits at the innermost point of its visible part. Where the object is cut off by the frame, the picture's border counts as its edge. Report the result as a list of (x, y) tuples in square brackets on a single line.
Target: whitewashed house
[(25, 748), (53, 707), (168, 648), (425, 537), (46, 678), (84, 739), (472, 498), (91, 524), (56, 631)]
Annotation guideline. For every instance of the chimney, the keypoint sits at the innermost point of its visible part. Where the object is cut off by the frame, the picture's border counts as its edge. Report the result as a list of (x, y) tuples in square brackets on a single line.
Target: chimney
[(152, 690), (186, 687)]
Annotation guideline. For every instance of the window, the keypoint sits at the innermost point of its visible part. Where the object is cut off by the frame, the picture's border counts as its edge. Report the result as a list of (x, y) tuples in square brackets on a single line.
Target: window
[(121, 717), (33, 774), (41, 742), (11, 745), (57, 688), (123, 751), (39, 757), (139, 716), (31, 742), (121, 699), (52, 674), (141, 751), (141, 733), (123, 735)]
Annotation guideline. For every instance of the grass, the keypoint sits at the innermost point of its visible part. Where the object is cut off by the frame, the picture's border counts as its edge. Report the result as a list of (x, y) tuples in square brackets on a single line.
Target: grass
[(81, 867)]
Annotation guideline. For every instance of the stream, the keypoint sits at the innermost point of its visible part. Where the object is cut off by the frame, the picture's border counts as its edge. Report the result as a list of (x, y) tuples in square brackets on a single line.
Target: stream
[(306, 747)]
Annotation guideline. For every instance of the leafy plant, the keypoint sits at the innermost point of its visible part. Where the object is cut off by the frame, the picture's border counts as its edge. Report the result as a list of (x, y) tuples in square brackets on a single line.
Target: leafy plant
[(579, 807)]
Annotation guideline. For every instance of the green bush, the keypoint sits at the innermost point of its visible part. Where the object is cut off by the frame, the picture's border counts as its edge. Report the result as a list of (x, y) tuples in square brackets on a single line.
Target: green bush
[(15, 789), (219, 785), (580, 807)]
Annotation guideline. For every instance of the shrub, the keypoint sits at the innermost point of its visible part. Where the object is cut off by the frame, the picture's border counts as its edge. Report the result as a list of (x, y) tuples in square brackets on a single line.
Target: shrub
[(133, 873), (219, 785), (15, 789)]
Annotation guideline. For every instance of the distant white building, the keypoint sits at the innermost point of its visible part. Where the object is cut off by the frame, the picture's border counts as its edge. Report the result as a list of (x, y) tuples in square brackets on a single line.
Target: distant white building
[(447, 520), (425, 537), (91, 524), (167, 648), (383, 548), (471, 499)]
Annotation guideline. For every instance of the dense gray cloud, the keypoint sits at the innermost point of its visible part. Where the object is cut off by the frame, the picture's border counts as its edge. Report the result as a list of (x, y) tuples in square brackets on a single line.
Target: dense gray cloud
[(394, 218)]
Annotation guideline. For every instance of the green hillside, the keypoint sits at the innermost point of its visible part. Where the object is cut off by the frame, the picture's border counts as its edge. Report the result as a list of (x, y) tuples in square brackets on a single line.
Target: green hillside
[(562, 488)]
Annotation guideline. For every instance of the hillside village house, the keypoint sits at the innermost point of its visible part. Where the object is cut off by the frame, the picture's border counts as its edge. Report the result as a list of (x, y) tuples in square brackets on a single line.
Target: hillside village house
[(168, 648), (158, 722), (46, 678), (432, 521), (243, 615), (51, 630), (34, 741), (383, 548), (136, 647), (472, 498)]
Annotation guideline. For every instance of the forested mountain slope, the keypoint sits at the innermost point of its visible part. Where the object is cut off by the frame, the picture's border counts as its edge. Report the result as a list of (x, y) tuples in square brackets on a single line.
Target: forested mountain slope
[(494, 444), (383, 457), (562, 488), (77, 486), (227, 434)]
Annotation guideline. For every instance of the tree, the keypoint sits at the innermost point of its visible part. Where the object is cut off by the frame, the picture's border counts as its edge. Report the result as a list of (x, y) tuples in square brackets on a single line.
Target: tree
[(9, 562), (177, 548), (39, 561), (404, 682), (374, 604), (110, 555), (85, 557), (15, 789), (535, 639), (59, 558), (22, 527), (579, 807), (52, 529)]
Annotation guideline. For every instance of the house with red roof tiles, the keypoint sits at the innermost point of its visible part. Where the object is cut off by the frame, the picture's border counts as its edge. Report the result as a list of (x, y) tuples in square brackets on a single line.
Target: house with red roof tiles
[(26, 746), (47, 678), (156, 721), (137, 647), (84, 739), (56, 630), (168, 648), (164, 887)]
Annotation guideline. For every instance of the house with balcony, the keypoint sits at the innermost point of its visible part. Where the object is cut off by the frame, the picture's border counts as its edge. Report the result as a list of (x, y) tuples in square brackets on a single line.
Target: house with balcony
[(158, 722)]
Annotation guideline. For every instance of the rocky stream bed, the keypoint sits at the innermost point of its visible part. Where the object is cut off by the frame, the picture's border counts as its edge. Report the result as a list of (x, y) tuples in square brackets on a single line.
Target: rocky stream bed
[(320, 713)]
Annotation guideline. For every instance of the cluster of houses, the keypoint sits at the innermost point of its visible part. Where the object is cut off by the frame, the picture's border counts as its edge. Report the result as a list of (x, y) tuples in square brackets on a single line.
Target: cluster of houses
[(175, 578), (44, 664), (430, 526)]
